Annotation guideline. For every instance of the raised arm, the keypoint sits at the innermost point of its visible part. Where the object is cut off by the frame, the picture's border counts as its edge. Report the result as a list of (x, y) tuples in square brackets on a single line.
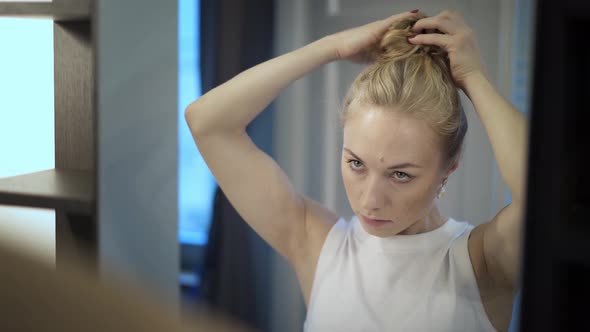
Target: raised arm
[(254, 184), (506, 128), (252, 181)]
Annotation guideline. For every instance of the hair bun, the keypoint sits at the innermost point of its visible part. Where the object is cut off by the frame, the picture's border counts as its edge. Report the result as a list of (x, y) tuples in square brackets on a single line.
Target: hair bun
[(394, 44)]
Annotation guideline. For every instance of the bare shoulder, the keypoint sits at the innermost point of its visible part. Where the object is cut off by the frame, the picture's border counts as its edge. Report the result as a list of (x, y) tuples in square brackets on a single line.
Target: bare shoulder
[(318, 223)]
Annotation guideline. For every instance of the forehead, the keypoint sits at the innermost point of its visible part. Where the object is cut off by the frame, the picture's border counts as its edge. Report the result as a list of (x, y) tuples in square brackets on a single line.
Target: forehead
[(389, 135)]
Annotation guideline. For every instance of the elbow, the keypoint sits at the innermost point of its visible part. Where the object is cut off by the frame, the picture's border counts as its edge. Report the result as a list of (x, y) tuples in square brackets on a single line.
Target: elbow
[(191, 111), (194, 119), (204, 120)]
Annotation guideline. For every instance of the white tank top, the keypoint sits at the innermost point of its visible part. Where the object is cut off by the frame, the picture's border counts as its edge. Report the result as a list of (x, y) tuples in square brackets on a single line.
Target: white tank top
[(423, 282)]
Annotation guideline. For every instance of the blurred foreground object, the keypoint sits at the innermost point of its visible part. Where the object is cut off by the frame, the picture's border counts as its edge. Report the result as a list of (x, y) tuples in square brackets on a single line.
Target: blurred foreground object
[(36, 297)]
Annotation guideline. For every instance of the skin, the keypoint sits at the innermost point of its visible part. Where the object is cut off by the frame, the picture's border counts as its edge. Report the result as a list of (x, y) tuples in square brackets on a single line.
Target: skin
[(375, 139), (297, 226)]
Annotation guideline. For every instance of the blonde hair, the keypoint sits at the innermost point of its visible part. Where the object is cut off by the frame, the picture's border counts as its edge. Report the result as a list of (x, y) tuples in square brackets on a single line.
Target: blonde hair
[(416, 79)]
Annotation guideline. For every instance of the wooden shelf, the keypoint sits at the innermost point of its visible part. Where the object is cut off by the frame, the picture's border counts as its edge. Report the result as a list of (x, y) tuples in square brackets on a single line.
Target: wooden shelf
[(73, 10), (69, 190)]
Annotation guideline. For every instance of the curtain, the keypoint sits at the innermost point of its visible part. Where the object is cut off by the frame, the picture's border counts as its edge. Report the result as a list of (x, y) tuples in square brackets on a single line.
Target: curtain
[(236, 35)]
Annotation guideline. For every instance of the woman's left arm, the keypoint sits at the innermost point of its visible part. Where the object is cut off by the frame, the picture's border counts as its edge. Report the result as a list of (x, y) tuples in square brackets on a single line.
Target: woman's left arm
[(506, 128)]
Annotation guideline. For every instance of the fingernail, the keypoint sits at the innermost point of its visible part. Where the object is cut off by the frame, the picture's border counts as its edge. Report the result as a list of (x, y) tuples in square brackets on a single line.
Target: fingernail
[(415, 11)]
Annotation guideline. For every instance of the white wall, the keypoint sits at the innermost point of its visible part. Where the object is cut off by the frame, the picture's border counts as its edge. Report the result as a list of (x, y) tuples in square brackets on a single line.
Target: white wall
[(137, 81)]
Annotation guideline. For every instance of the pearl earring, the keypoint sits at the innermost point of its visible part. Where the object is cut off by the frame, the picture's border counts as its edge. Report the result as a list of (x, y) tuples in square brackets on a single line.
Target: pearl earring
[(442, 190)]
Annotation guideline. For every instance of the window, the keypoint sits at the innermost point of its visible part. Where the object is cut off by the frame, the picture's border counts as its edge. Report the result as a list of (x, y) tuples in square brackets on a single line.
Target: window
[(26, 127), (521, 88), (26, 96), (196, 183)]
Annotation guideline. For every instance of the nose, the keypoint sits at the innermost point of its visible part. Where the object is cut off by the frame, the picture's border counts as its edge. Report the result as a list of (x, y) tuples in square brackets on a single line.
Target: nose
[(373, 196)]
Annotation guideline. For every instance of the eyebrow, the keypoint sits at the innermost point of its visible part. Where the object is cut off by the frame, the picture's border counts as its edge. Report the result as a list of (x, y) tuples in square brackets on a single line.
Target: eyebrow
[(398, 166)]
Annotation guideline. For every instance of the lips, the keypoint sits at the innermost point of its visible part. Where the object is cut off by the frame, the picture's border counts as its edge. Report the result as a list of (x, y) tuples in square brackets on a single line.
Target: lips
[(374, 222)]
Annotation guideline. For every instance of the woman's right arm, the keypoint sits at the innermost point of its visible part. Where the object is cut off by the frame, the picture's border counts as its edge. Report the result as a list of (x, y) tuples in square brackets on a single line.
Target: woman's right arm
[(254, 184), (230, 107), (251, 180)]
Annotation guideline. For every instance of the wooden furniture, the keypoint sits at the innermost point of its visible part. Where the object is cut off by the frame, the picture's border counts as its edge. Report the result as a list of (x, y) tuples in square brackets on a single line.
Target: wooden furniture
[(70, 187), (115, 183)]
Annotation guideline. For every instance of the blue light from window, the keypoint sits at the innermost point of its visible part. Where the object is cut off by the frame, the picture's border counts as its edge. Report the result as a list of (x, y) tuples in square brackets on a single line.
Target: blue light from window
[(196, 185), (26, 96)]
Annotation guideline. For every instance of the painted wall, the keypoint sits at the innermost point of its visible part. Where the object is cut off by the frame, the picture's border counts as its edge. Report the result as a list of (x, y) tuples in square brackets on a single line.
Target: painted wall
[(137, 59)]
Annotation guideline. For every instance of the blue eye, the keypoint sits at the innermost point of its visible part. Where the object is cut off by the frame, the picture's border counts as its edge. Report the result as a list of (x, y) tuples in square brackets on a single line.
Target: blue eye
[(404, 177), (355, 164)]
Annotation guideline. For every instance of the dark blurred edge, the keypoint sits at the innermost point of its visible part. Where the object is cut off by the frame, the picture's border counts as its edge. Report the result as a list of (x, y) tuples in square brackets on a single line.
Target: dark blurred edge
[(34, 296), (556, 266)]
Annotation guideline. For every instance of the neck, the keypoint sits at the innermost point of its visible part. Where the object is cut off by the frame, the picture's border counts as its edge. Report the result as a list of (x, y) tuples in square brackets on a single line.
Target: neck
[(431, 222)]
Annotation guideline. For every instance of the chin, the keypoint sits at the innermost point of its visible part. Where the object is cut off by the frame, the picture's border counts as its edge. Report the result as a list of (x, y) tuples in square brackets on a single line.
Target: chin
[(379, 231), (381, 234)]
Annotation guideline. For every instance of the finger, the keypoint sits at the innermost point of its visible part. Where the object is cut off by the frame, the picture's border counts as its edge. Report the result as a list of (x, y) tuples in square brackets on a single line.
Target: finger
[(397, 17), (442, 23), (379, 27), (437, 39)]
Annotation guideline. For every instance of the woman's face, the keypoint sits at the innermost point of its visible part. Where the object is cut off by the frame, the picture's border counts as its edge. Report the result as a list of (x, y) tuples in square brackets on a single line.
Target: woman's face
[(391, 168)]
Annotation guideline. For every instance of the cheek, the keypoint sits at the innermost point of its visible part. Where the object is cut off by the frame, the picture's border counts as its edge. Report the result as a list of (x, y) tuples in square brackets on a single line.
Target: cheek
[(413, 199), (420, 200), (423, 193), (351, 183), (347, 177)]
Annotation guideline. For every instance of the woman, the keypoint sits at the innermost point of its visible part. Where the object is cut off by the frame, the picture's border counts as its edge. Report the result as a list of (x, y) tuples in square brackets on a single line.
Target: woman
[(398, 265)]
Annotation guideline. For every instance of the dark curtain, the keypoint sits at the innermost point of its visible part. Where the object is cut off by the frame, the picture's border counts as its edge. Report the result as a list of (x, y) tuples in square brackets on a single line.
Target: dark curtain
[(236, 35)]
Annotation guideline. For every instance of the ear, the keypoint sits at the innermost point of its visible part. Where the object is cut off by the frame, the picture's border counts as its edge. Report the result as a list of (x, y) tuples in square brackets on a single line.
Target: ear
[(451, 169)]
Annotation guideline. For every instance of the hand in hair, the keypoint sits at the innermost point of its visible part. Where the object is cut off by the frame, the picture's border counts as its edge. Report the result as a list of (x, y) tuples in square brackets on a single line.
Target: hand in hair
[(456, 38), (355, 44)]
